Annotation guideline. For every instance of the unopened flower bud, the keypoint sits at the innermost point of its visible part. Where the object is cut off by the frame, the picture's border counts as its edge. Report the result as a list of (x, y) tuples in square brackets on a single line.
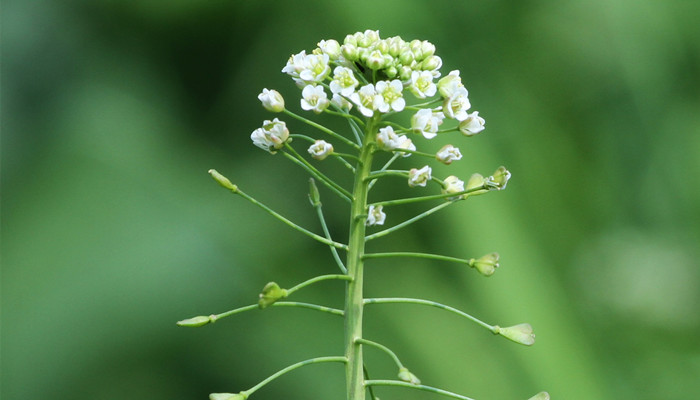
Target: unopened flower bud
[(452, 184), (228, 396), (222, 180), (375, 60), (406, 376), (195, 321), (272, 100), (406, 57), (330, 47), (432, 63), (314, 196), (486, 265), (427, 48), (448, 84), (472, 125), (349, 51), (499, 179), (320, 150), (405, 72), (521, 333), (540, 396), (270, 294)]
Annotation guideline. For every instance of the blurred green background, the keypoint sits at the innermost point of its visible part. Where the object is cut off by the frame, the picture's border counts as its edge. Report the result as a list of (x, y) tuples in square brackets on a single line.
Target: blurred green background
[(113, 111)]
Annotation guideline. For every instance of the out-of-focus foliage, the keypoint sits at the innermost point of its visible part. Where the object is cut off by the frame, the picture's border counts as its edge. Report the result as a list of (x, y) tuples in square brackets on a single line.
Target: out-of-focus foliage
[(113, 111)]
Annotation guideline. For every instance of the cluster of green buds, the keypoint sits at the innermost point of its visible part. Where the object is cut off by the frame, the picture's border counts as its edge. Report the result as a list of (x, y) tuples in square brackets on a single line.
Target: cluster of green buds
[(368, 80)]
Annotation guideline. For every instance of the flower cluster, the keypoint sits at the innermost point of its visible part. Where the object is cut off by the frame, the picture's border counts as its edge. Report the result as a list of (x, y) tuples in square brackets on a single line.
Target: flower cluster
[(377, 77)]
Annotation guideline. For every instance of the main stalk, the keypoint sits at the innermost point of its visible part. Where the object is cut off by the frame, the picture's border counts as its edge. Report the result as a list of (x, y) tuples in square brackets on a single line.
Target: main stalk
[(354, 372)]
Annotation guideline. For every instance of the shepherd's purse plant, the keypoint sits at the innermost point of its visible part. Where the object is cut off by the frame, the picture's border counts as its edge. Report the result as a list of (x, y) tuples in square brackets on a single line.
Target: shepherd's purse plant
[(370, 82)]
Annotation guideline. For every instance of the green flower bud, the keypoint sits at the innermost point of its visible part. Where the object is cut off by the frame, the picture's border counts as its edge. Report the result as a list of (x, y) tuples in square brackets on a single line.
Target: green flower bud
[(427, 48), (350, 39), (228, 396), (223, 181), (270, 294), (521, 333), (350, 52), (406, 57), (395, 46), (486, 265), (406, 376), (405, 72), (375, 60), (391, 72), (431, 63), (314, 196), (195, 321), (540, 396)]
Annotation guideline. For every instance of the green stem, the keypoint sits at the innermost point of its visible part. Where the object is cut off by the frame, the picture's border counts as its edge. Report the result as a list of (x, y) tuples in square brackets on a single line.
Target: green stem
[(356, 247), (345, 115), (290, 223), (493, 329), (292, 367), (407, 222), (387, 165), (316, 279), (317, 205), (322, 128), (382, 382), (382, 348), (419, 255), (407, 200), (315, 172), (334, 311)]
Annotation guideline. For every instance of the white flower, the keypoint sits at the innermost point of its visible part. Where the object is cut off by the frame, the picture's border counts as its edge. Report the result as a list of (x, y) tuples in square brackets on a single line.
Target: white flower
[(365, 99), (447, 154), (375, 216), (272, 100), (456, 106), (344, 81), (314, 98), (390, 96), (320, 149), (422, 85), (452, 184), (449, 84), (316, 68), (388, 140), (295, 64), (271, 136), (330, 47), (419, 177), (341, 102), (307, 68), (472, 125), (426, 122)]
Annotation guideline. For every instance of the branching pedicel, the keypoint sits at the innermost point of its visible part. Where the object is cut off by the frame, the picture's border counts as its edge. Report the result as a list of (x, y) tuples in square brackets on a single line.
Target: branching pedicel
[(369, 80)]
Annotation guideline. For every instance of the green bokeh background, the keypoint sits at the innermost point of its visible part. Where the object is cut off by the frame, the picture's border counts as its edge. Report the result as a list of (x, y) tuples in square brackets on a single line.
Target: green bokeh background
[(113, 111)]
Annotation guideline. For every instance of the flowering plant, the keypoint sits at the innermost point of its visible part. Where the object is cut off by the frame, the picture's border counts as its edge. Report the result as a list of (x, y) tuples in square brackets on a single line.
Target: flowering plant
[(367, 81)]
